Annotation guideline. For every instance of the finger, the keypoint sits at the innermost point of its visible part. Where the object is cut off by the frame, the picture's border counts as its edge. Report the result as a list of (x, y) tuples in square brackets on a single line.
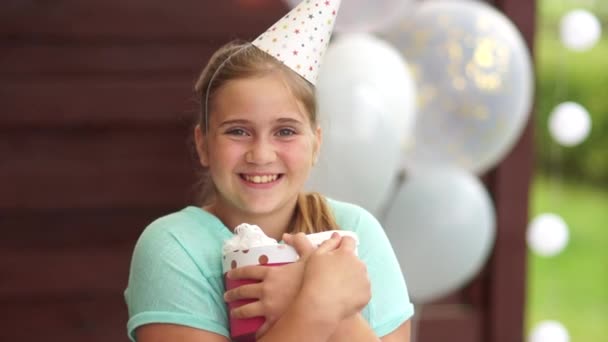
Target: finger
[(288, 238), (254, 272), (255, 309), (248, 291), (348, 244), (302, 245), (330, 244)]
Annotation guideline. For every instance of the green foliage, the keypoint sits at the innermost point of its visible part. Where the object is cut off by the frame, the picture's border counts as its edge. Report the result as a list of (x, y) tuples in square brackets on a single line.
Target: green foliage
[(582, 77), (571, 287)]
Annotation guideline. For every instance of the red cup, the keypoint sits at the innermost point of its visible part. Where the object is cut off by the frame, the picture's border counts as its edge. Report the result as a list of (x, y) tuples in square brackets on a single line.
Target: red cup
[(244, 330)]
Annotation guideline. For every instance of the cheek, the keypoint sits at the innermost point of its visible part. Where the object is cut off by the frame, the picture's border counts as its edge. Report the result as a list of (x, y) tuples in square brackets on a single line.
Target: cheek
[(224, 154), (298, 154)]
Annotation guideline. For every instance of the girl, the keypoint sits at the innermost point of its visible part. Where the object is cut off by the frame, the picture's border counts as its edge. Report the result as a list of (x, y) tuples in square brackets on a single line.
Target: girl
[(257, 139)]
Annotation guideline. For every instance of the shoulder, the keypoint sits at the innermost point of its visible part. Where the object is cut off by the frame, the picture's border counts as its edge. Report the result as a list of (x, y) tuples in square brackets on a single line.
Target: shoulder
[(190, 222), (350, 216), (373, 242), (190, 233), (189, 218), (176, 273)]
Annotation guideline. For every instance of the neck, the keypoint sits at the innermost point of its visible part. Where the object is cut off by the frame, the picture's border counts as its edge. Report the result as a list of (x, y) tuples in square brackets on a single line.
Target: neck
[(274, 224)]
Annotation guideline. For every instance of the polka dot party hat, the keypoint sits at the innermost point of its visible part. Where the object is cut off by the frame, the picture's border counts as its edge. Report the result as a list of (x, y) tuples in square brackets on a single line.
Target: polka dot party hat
[(300, 38)]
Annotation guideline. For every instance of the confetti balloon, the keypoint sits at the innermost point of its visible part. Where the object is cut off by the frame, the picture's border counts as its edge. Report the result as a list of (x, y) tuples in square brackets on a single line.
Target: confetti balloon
[(569, 124), (474, 81), (580, 30), (357, 16)]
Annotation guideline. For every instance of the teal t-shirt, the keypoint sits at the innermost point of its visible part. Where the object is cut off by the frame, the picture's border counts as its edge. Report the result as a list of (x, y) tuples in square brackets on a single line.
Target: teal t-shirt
[(176, 272)]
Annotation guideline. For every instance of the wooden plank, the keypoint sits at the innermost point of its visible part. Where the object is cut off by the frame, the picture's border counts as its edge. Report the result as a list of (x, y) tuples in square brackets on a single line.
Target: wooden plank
[(136, 19), (93, 100), (75, 228), (145, 167), (440, 323), (523, 14), (507, 278), (112, 59), (64, 271), (67, 319)]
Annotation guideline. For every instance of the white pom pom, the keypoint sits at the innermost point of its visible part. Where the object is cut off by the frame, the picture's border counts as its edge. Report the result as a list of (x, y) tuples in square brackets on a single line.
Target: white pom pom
[(547, 235), (569, 124), (549, 331), (580, 30)]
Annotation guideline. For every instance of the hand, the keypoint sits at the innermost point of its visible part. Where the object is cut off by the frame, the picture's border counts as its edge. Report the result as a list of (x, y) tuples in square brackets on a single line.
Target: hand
[(335, 280), (277, 286)]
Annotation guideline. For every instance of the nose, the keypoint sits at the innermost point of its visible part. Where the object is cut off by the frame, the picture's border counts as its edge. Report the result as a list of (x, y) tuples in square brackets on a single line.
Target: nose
[(261, 152)]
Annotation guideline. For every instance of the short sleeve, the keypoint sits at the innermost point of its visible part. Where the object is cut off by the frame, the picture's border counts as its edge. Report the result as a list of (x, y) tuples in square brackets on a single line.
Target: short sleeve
[(390, 305), (167, 286)]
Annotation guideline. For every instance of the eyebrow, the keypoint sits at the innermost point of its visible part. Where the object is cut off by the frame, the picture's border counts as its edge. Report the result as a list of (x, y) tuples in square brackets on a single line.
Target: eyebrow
[(289, 121), (245, 122), (234, 122)]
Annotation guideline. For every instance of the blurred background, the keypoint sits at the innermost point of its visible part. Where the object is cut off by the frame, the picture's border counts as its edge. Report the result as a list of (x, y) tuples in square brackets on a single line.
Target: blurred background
[(490, 117), (568, 277)]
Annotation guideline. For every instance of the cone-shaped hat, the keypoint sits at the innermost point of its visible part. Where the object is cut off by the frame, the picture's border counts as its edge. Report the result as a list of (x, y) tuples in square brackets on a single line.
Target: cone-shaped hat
[(300, 38)]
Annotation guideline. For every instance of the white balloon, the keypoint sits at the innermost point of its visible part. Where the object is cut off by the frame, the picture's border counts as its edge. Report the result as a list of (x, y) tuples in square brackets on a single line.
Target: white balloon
[(365, 97), (441, 225), (580, 30), (359, 16), (548, 235), (569, 124), (474, 80), (549, 331)]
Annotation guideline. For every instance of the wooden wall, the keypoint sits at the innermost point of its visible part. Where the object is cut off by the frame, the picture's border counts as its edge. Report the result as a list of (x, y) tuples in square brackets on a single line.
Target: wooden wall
[(96, 105)]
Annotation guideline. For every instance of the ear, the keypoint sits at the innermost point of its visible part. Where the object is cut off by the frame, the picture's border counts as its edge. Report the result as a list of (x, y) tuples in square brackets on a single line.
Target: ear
[(201, 146), (317, 144)]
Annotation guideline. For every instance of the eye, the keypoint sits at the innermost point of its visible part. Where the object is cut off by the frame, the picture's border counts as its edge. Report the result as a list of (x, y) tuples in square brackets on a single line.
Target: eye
[(236, 131), (286, 132)]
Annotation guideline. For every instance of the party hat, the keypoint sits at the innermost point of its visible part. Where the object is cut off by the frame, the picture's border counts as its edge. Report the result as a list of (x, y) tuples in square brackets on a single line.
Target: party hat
[(300, 38)]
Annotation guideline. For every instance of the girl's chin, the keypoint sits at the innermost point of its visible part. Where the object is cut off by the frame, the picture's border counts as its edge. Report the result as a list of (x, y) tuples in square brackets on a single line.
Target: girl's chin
[(262, 205)]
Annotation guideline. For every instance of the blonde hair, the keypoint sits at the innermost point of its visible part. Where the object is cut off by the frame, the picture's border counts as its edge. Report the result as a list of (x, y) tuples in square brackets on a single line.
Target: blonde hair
[(238, 60)]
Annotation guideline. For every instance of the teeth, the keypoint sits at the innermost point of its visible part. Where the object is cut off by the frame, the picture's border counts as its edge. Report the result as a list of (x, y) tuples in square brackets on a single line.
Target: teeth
[(261, 179)]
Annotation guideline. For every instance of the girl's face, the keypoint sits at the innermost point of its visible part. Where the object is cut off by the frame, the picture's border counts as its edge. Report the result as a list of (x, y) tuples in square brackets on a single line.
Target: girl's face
[(259, 147)]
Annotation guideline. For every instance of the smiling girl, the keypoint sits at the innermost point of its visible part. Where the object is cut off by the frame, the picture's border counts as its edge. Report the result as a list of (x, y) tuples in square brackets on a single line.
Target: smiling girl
[(257, 138)]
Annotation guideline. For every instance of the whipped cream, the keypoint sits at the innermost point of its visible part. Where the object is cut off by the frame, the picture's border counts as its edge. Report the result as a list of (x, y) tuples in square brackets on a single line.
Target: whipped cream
[(247, 236)]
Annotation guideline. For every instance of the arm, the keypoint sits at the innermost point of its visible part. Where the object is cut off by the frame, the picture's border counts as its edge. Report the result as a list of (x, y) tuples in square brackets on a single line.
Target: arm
[(357, 329), (390, 307), (279, 290), (303, 321), (389, 310), (354, 329), (401, 334), (335, 287), (173, 332), (168, 297)]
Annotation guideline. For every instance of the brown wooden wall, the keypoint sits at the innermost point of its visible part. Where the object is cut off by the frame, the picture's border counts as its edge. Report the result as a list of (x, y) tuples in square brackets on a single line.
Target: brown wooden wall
[(95, 112)]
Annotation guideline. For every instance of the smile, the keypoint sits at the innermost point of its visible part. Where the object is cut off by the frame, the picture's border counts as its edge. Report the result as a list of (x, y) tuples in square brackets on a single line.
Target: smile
[(261, 179)]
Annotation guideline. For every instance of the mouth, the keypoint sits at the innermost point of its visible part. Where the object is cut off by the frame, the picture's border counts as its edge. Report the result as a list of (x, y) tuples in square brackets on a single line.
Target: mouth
[(261, 179)]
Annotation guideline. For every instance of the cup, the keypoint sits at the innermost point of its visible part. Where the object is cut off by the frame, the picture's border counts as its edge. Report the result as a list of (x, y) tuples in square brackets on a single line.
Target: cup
[(244, 330)]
